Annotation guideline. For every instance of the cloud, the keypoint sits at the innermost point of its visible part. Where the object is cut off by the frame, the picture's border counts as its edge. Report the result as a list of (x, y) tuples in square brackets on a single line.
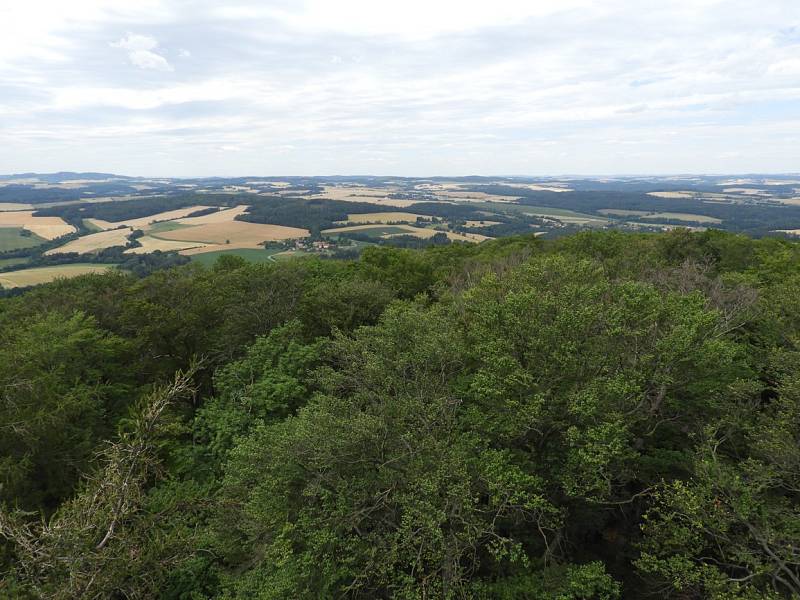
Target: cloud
[(141, 52), (444, 86)]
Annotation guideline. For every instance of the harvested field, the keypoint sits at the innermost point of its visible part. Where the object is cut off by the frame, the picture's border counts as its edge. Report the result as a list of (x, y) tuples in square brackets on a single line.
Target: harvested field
[(222, 216), (145, 222), (94, 242), (363, 194), (35, 276), (151, 244), (240, 233), (48, 228), (384, 217), (6, 206)]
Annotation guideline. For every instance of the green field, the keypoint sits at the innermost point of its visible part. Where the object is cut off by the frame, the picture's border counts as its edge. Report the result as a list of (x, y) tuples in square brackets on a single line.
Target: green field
[(165, 226), (249, 254), (91, 226), (13, 238), (376, 232), (12, 262)]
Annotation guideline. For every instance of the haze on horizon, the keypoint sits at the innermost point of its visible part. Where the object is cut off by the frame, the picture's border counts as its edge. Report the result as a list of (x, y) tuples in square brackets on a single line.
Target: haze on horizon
[(437, 87)]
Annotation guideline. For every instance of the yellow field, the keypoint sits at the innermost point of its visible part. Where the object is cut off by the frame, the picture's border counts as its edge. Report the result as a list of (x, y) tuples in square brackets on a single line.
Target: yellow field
[(221, 216), (474, 196), (35, 276), (384, 217), (144, 222), (151, 244), (6, 206), (353, 193), (94, 242), (240, 234), (47, 227)]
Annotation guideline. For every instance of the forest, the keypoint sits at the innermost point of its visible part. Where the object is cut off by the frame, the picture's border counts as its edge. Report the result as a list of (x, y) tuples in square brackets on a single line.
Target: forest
[(604, 415)]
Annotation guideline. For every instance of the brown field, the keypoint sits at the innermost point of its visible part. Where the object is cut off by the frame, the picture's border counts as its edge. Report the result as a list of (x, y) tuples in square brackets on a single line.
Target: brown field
[(383, 217), (241, 234), (144, 222), (222, 216), (94, 242), (151, 244), (47, 227), (6, 206), (26, 277)]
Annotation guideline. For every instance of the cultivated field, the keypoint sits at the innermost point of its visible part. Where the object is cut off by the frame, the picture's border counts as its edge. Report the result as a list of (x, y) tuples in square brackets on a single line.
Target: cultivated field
[(35, 276), (691, 218), (481, 223), (14, 238), (94, 242), (151, 244), (363, 194), (239, 232), (6, 206), (144, 222), (222, 216), (48, 228), (672, 194), (419, 232), (384, 217)]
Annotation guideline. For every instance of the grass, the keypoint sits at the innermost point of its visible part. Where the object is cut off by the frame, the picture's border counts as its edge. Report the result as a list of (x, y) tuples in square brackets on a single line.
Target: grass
[(37, 275), (12, 262), (91, 227), (12, 238), (250, 254), (157, 228)]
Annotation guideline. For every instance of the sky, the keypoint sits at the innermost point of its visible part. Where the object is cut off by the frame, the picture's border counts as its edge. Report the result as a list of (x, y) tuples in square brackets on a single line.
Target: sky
[(414, 87)]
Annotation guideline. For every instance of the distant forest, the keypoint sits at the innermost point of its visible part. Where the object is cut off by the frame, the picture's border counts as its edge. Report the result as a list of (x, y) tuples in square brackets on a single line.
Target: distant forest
[(604, 415)]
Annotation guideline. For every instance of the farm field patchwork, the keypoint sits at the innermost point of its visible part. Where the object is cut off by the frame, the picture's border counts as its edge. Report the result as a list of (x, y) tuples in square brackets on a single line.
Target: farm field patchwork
[(37, 275), (144, 222), (94, 242), (15, 238), (48, 228)]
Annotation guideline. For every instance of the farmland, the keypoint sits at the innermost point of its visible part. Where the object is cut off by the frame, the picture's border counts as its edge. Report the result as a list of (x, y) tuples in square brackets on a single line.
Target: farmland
[(13, 238), (38, 275), (48, 228), (94, 242)]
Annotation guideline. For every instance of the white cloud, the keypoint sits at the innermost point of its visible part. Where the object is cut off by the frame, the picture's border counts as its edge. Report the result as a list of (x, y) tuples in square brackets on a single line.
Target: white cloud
[(141, 52)]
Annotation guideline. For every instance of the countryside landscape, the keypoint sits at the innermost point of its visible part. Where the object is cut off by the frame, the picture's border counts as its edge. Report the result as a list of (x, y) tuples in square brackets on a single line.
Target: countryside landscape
[(66, 224), (399, 300)]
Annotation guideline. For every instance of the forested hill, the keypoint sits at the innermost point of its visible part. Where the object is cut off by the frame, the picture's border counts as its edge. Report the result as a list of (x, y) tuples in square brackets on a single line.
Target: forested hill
[(601, 416)]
